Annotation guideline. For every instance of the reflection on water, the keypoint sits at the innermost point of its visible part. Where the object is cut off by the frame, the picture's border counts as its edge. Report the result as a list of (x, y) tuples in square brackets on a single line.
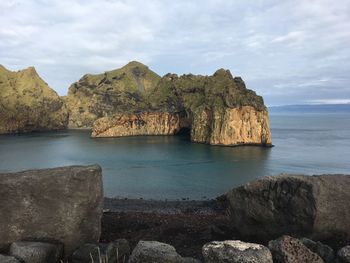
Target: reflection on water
[(171, 167)]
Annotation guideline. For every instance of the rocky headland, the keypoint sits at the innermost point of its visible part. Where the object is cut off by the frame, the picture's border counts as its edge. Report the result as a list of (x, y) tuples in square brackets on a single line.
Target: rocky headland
[(134, 100), (28, 104)]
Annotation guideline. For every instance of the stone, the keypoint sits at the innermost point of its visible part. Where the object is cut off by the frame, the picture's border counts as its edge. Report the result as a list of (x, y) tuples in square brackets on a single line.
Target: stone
[(28, 104), (343, 254), (291, 250), (155, 252), (316, 207), (117, 251), (324, 251), (8, 259), (235, 251), (36, 252), (62, 204)]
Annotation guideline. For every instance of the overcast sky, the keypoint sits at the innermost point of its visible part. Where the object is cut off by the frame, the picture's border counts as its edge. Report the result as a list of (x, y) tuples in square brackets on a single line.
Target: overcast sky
[(288, 51)]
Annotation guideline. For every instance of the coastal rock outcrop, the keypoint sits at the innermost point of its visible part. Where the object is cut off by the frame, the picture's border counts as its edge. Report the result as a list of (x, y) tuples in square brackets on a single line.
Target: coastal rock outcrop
[(313, 206), (217, 109), (28, 104), (60, 204)]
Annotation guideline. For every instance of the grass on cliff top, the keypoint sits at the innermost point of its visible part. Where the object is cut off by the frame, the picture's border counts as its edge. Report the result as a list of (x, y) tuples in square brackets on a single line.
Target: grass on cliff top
[(133, 77), (192, 91)]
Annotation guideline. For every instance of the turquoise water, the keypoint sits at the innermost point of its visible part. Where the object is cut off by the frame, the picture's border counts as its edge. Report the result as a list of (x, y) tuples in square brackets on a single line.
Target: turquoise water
[(173, 168)]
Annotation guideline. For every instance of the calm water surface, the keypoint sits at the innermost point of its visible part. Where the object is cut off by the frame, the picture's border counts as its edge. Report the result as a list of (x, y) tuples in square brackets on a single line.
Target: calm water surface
[(172, 168)]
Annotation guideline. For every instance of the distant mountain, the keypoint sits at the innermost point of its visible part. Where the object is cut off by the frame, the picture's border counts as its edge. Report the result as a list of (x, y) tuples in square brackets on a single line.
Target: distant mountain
[(318, 108)]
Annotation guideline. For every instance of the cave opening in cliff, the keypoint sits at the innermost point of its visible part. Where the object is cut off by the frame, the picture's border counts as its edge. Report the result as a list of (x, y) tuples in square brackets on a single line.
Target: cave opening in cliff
[(185, 132)]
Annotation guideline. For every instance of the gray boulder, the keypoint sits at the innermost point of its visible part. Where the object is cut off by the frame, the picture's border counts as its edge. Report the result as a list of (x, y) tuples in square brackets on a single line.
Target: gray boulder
[(313, 206), (37, 252), (8, 259), (63, 204), (156, 252), (113, 252), (291, 250), (343, 255), (235, 251), (324, 251)]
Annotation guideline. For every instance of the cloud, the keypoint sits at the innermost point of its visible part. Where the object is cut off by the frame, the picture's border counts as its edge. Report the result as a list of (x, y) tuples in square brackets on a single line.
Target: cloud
[(285, 50)]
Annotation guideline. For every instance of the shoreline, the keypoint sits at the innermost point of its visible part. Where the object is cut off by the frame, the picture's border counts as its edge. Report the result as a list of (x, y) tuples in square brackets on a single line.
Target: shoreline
[(208, 206)]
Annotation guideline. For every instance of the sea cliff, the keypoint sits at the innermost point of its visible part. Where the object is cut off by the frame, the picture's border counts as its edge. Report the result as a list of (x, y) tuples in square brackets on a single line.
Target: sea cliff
[(146, 123), (217, 110)]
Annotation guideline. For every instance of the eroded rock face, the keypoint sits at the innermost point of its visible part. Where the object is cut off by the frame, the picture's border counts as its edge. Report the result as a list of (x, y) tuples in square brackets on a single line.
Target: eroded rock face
[(28, 104), (291, 250), (235, 251), (146, 123), (62, 204), (235, 126), (312, 206)]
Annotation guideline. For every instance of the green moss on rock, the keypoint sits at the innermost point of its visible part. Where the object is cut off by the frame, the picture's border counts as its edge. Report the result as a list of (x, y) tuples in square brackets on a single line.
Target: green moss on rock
[(27, 103)]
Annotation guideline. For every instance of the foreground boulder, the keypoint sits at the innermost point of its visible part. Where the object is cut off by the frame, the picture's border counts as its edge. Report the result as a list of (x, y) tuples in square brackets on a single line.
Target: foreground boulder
[(28, 104), (63, 204), (37, 252), (313, 206), (324, 251), (343, 255), (235, 251), (8, 259), (291, 250), (157, 252)]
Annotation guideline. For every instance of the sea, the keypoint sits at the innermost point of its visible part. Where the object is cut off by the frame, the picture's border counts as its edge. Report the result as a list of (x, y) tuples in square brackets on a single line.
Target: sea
[(173, 168)]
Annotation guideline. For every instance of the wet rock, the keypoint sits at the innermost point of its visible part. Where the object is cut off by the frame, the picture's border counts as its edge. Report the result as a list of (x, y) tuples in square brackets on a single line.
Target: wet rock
[(324, 251), (156, 252), (8, 259), (343, 255), (310, 206), (36, 252), (291, 250), (235, 251), (63, 204)]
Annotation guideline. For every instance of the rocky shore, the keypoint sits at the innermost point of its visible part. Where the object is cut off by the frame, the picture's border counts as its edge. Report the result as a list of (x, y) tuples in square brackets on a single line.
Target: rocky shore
[(60, 214)]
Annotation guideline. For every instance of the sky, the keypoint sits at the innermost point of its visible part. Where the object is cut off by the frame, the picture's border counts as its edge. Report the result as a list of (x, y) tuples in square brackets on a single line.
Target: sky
[(290, 52)]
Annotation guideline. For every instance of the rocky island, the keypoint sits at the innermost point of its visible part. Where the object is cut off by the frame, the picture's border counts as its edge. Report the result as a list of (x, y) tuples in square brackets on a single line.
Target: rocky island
[(28, 104), (133, 100)]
